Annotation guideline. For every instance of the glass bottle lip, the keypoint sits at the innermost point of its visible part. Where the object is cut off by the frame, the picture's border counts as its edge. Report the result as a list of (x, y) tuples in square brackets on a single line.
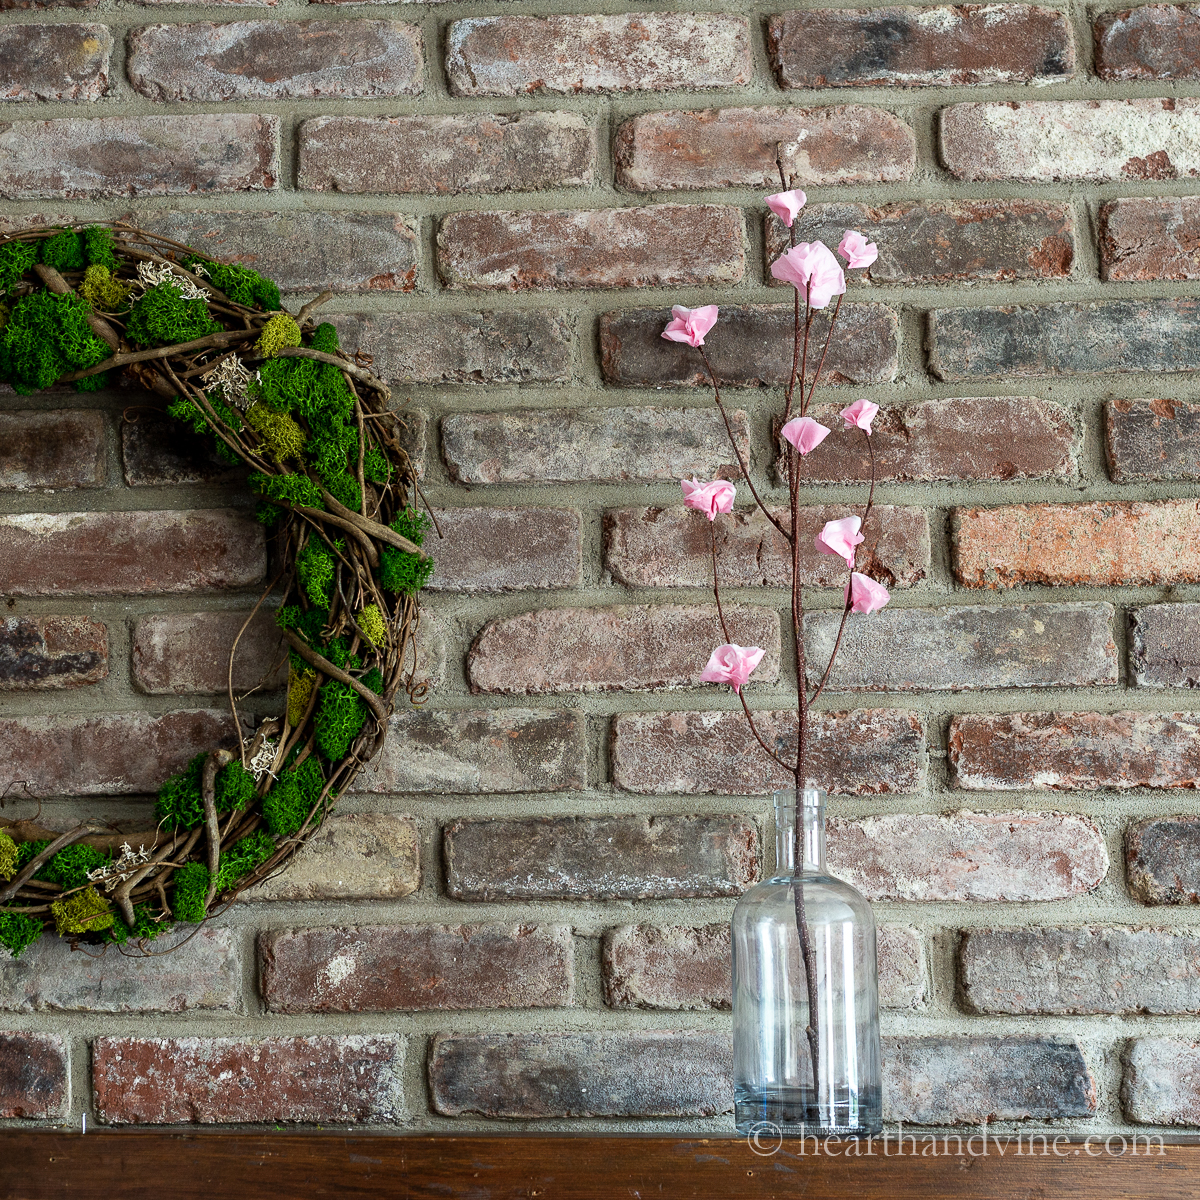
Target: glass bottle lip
[(810, 797)]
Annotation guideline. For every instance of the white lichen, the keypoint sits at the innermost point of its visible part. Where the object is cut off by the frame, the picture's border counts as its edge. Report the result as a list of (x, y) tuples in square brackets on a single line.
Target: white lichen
[(234, 379), (120, 869)]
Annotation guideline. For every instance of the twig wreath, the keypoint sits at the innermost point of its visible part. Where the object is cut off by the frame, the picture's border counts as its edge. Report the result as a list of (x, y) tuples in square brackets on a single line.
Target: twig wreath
[(80, 304)]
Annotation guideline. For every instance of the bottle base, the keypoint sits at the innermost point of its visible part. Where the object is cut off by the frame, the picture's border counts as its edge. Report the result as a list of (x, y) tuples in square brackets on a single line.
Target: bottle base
[(794, 1113)]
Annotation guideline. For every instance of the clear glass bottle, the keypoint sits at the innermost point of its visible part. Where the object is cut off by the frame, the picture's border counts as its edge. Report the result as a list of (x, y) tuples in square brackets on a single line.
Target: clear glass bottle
[(773, 1040)]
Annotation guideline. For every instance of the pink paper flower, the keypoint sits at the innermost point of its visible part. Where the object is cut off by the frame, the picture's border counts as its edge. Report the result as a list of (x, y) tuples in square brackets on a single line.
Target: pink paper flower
[(785, 205), (732, 664), (708, 498), (868, 596), (856, 250), (811, 268), (860, 413), (804, 433), (690, 324), (840, 538)]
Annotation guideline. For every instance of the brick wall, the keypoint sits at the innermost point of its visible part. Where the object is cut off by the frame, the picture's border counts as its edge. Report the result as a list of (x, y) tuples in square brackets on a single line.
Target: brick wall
[(520, 915)]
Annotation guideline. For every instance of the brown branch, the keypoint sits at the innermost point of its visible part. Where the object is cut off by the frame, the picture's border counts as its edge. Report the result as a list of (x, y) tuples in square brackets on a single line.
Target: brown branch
[(381, 533), (208, 783), (312, 306), (98, 325), (374, 702), (212, 341), (828, 338), (35, 864)]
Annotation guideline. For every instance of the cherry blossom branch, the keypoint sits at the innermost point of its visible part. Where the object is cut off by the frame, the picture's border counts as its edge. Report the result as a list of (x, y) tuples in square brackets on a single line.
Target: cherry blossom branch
[(712, 529), (828, 338)]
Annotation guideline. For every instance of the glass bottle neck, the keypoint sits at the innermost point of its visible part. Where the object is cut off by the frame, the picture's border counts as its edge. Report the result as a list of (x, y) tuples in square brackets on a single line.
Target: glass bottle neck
[(799, 832)]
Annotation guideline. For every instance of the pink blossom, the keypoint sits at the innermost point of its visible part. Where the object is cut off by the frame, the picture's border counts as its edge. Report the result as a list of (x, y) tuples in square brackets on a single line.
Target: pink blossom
[(785, 205), (811, 268), (860, 413), (868, 595), (690, 324), (840, 537), (804, 433), (732, 664), (708, 498), (856, 250)]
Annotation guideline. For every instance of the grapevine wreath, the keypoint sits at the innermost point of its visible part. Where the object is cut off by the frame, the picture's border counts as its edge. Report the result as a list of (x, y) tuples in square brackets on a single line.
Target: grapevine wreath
[(338, 496)]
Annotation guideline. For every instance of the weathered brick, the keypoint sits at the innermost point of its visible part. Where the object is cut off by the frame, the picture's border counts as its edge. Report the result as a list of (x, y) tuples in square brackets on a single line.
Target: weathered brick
[(642, 1073), (1070, 751), (1095, 140), (1010, 856), (56, 449), (1150, 238), (181, 654), (961, 1080), (34, 1076), (463, 347), (592, 445), (672, 547), (448, 154), (508, 549), (1154, 41), (353, 856), (1106, 543), (202, 972), (209, 1081), (921, 47), (52, 652), (738, 147), (682, 967), (943, 241), (964, 648), (1065, 339), (479, 751), (567, 55), (865, 752), (1165, 645), (1160, 1083), (621, 648), (956, 438), (600, 858), (371, 968), (6, 5), (304, 250), (276, 60), (116, 755), (660, 245), (750, 347), (1092, 969), (75, 159), (157, 451), (1152, 440), (1162, 859), (129, 553), (55, 62)]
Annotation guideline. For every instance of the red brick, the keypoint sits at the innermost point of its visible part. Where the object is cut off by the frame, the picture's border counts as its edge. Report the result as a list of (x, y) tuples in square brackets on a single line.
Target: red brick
[(1106, 543), (567, 55), (157, 449), (672, 547), (737, 147), (276, 60), (209, 1081), (600, 858), (662, 245), (53, 449), (865, 752), (52, 652), (129, 553), (1151, 238), (1070, 751), (595, 445), (1162, 859), (621, 648), (751, 346), (943, 241), (507, 549), (130, 156), (1154, 41), (180, 654), (1096, 140), (992, 856), (1164, 645), (417, 968), (447, 155), (55, 62), (34, 1076), (984, 45), (1160, 1083), (1152, 440), (119, 755)]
